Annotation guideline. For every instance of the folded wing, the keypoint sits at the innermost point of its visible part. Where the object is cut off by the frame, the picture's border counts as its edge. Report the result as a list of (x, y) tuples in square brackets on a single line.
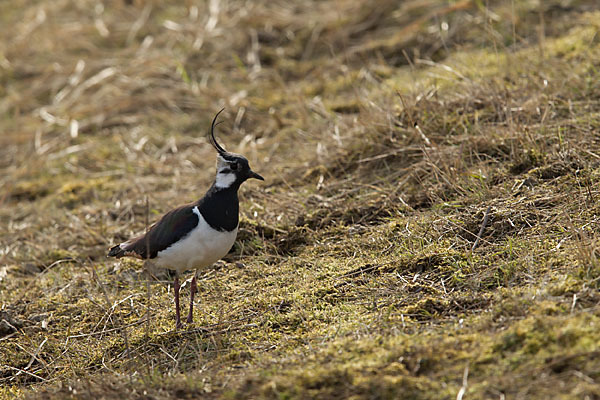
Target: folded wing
[(172, 227)]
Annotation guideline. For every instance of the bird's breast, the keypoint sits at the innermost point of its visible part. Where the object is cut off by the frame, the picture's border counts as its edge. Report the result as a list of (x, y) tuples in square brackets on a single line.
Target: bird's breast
[(200, 248)]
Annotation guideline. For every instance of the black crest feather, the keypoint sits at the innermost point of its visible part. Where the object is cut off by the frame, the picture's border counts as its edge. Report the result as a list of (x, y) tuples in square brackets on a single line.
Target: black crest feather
[(211, 134)]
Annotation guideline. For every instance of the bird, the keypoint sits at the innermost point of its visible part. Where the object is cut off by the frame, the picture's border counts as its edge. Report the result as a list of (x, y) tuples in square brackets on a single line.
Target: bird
[(195, 235)]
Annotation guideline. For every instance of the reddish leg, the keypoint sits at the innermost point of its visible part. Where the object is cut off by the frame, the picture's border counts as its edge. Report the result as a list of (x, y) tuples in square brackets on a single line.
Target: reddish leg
[(193, 290), (177, 316)]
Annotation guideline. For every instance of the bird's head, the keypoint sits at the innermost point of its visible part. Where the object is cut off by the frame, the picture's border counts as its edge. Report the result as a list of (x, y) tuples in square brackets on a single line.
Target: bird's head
[(232, 169)]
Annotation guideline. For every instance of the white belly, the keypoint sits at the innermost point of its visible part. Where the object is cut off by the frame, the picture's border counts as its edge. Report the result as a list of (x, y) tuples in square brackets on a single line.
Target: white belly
[(202, 247)]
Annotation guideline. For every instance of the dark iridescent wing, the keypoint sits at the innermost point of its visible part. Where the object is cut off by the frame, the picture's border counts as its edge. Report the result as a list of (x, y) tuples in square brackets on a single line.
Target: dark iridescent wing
[(173, 226)]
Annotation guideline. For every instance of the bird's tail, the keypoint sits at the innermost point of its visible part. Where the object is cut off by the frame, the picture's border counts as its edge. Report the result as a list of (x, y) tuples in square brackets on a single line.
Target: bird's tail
[(116, 251)]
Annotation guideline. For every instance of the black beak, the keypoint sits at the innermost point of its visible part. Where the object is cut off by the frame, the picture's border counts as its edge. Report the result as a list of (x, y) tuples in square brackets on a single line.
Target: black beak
[(252, 174)]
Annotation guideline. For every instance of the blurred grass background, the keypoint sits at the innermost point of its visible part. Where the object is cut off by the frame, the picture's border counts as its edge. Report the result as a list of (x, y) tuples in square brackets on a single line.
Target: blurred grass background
[(387, 131)]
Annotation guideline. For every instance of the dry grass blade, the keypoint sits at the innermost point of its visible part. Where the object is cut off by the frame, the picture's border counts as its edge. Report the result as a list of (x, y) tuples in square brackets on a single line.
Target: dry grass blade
[(483, 225)]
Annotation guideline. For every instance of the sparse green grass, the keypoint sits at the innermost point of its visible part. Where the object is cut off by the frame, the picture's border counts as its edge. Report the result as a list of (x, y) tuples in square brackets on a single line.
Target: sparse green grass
[(384, 138)]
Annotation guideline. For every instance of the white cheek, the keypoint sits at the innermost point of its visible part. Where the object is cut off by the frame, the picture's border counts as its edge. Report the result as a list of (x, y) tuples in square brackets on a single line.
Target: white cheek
[(224, 180)]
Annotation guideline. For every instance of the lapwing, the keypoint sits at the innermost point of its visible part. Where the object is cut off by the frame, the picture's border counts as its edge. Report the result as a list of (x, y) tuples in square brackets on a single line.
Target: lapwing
[(195, 235)]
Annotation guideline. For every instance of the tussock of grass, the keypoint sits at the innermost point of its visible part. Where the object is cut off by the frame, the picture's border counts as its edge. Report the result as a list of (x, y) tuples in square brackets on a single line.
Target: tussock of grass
[(387, 136)]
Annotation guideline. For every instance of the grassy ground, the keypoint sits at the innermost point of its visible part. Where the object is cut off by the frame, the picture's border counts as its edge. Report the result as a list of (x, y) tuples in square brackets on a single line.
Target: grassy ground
[(390, 137)]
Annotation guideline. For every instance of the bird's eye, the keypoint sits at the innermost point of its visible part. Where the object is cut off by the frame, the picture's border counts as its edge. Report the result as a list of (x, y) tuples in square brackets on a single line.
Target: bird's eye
[(233, 166)]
